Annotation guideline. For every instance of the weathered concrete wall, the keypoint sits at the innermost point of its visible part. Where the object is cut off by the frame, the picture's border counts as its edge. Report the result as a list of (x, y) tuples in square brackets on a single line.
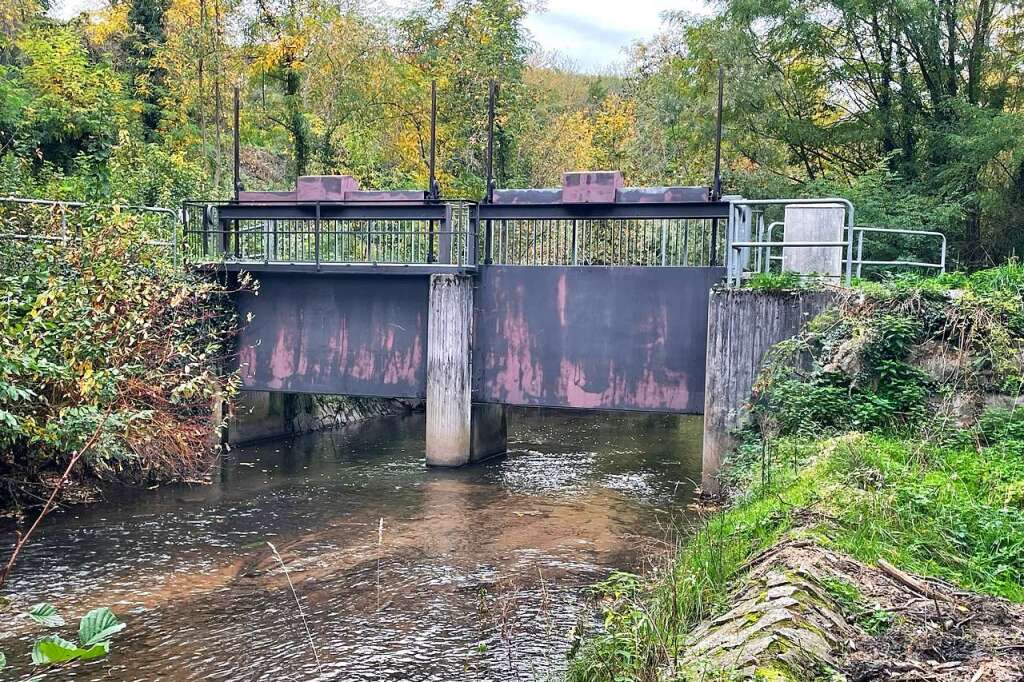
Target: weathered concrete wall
[(260, 415), (449, 382), (742, 326), (458, 432)]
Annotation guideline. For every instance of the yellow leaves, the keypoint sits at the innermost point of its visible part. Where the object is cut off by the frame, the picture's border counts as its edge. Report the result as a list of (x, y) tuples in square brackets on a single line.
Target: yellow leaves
[(86, 377), (42, 300), (580, 139), (108, 23), (566, 144), (179, 297)]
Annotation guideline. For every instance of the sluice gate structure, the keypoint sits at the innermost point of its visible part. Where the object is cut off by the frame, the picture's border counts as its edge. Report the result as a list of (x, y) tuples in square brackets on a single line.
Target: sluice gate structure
[(592, 296), (589, 296)]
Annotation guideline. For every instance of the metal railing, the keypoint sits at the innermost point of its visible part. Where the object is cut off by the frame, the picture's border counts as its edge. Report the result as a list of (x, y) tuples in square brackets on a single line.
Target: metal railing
[(330, 233), (764, 256), (52, 224), (652, 234), (455, 233), (745, 214), (860, 262), (656, 242)]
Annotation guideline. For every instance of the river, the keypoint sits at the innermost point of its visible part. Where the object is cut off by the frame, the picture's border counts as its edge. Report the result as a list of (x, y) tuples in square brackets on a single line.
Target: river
[(403, 573)]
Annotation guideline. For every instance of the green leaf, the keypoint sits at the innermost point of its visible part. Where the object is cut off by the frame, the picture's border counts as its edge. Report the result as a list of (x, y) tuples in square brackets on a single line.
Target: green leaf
[(3, 661), (53, 649), (46, 615), (97, 626), (56, 649)]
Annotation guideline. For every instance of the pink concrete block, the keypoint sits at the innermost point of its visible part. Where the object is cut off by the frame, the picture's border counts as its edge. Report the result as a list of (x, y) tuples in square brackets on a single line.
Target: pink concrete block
[(265, 197), (590, 187), (325, 187), (394, 196)]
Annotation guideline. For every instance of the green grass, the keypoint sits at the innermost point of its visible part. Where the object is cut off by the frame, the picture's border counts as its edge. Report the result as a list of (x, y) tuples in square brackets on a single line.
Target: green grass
[(951, 512), (781, 281)]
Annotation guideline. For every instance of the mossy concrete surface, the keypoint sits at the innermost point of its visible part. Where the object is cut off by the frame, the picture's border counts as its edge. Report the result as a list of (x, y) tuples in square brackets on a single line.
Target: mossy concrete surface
[(790, 622)]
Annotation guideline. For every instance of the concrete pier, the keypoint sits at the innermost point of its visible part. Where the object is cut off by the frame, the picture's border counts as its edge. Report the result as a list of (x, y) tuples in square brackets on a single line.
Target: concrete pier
[(488, 431), (742, 326), (260, 415), (457, 431)]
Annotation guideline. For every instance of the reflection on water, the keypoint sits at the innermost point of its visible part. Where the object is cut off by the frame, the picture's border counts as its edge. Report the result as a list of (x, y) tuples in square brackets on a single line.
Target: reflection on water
[(478, 573)]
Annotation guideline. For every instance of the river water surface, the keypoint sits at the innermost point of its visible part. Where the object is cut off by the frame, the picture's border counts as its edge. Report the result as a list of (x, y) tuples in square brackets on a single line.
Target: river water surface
[(403, 573)]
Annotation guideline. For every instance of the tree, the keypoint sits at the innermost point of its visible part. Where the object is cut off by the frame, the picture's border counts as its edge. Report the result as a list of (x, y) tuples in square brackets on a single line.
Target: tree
[(148, 78), (837, 85), (68, 110)]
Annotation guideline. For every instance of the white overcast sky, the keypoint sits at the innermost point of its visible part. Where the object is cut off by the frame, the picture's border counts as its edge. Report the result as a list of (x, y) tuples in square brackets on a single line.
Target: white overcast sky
[(592, 35)]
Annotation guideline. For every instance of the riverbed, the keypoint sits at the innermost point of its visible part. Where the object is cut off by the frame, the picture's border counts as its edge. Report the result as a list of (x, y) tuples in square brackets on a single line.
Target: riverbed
[(402, 572)]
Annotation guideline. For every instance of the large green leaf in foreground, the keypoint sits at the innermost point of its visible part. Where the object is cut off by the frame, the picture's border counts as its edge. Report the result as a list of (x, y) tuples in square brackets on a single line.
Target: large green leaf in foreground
[(56, 649), (98, 626)]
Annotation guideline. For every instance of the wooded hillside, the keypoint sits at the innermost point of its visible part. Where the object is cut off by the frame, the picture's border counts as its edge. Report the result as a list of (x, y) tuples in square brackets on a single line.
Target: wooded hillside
[(911, 108)]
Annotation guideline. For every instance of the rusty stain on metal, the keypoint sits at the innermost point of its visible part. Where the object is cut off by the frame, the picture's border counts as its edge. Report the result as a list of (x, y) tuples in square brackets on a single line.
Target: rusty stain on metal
[(344, 334), (629, 338)]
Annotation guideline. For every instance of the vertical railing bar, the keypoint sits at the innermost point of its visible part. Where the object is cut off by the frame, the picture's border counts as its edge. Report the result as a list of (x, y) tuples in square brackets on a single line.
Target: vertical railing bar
[(664, 243), (575, 243), (316, 237), (860, 253), (686, 242)]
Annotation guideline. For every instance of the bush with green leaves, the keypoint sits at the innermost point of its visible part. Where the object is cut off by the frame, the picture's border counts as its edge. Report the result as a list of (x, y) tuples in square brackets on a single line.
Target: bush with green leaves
[(100, 335), (856, 367)]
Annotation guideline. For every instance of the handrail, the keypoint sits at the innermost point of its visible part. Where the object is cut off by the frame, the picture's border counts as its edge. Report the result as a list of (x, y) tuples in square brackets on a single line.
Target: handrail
[(173, 243), (82, 204), (313, 232), (859, 260), (735, 244), (941, 265)]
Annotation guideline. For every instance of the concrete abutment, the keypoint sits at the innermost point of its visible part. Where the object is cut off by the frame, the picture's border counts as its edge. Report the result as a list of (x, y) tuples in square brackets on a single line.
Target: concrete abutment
[(742, 325)]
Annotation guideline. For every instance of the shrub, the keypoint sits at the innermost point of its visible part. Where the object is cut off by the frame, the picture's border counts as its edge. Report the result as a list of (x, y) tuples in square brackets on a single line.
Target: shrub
[(101, 334)]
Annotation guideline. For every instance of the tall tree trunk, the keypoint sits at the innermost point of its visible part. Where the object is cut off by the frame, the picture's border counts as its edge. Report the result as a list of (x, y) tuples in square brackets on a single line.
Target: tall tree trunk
[(909, 112), (201, 94), (979, 46), (885, 45), (973, 252), (296, 119)]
